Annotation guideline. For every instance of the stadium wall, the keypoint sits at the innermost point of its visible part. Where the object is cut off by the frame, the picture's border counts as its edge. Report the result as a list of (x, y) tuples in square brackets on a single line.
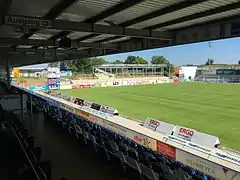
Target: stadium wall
[(113, 82)]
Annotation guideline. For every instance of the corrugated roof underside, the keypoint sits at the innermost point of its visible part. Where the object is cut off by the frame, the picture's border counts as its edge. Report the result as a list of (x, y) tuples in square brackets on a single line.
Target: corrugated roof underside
[(211, 4), (140, 10), (85, 9)]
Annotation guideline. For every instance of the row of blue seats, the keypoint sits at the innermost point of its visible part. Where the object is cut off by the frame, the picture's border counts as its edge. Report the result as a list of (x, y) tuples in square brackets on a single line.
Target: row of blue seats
[(135, 160)]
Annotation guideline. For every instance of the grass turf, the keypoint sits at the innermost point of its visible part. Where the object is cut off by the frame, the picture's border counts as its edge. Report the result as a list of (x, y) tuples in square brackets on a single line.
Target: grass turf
[(209, 108)]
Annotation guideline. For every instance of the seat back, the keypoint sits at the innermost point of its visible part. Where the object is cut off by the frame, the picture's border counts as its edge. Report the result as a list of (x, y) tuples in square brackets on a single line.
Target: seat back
[(148, 173)]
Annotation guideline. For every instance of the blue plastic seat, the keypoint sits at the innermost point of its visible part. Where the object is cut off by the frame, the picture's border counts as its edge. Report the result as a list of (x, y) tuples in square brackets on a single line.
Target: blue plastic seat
[(148, 173), (133, 169)]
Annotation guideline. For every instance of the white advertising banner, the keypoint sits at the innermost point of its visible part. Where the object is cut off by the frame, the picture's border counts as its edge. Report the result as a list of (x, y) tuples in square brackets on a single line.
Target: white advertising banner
[(151, 124), (53, 72), (138, 138), (65, 86), (194, 136), (207, 167), (159, 126), (184, 133), (87, 103), (13, 101), (205, 139)]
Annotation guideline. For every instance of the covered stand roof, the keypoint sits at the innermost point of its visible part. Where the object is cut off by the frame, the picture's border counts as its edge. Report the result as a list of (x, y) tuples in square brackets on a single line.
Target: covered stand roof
[(30, 29)]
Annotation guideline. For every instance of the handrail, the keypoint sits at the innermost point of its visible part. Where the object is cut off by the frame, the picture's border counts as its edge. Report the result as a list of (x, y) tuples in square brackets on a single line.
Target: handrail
[(30, 162)]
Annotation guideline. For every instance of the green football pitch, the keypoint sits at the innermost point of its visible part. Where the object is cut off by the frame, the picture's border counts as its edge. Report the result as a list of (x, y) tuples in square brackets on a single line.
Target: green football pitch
[(209, 108)]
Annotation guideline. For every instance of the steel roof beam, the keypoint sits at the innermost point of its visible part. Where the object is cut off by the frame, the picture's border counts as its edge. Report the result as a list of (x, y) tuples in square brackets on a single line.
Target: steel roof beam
[(49, 50), (161, 12), (112, 10), (157, 13), (197, 16), (53, 13), (75, 44), (31, 22), (188, 18), (18, 41), (212, 22)]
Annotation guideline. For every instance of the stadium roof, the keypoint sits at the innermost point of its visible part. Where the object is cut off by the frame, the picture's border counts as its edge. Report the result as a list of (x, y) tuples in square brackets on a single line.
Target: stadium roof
[(30, 31)]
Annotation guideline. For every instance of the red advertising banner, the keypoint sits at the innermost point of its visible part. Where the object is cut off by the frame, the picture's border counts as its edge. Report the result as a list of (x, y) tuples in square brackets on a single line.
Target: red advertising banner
[(166, 150)]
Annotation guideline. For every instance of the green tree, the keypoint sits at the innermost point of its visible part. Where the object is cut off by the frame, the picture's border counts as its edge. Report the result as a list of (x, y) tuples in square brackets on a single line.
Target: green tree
[(135, 60), (163, 60), (209, 61), (159, 60), (85, 65), (97, 61), (117, 62)]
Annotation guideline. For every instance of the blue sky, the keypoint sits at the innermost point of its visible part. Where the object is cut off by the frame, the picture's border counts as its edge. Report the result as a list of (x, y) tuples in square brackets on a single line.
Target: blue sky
[(222, 51)]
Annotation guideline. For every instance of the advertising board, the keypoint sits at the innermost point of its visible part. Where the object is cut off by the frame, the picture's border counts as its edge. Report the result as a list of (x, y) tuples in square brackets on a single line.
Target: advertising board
[(166, 150), (205, 166), (151, 124), (103, 108), (69, 108), (227, 157), (94, 119), (138, 138), (53, 86), (143, 140), (112, 111), (78, 101), (53, 80), (96, 106), (38, 88), (87, 103), (66, 73), (206, 140), (66, 86), (82, 113), (183, 132), (198, 147), (159, 126), (13, 101), (53, 72)]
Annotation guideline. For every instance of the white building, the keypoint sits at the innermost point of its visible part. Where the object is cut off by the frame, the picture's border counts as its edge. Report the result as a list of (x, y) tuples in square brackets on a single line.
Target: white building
[(34, 71)]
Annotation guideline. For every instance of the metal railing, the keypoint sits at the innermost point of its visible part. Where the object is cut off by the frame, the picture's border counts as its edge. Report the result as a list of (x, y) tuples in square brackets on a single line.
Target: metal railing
[(40, 175)]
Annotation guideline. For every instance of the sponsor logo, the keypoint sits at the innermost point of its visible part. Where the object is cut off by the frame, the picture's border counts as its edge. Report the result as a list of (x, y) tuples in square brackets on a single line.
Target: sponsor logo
[(94, 119), (185, 133), (201, 165), (199, 147), (166, 149), (104, 108), (225, 156), (176, 139), (143, 141), (153, 124)]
